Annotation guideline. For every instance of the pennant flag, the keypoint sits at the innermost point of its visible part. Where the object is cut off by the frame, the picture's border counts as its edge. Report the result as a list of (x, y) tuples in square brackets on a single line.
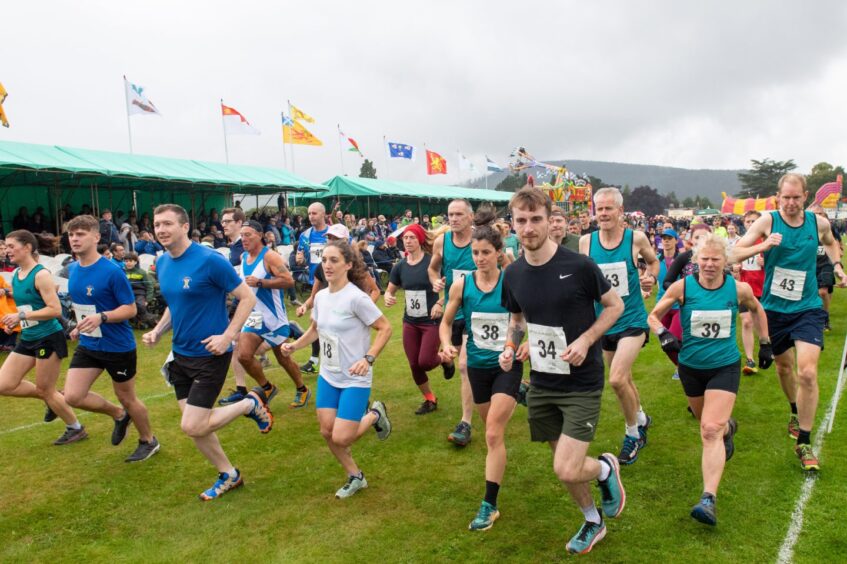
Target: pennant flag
[(738, 206), (235, 123), (491, 166), (354, 147), (466, 164), (401, 151), (296, 134), (137, 102), (435, 163), (297, 113), (828, 194), (3, 121)]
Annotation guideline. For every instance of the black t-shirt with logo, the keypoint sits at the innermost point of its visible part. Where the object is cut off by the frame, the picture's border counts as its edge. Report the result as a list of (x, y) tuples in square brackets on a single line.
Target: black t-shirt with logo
[(560, 294), (415, 278)]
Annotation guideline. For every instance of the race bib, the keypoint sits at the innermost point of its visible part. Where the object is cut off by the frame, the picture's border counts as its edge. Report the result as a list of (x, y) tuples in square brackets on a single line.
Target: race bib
[(546, 345), (316, 251), (821, 250), (254, 321), (416, 303), (26, 323), (457, 274), (489, 330), (711, 324), (82, 311), (615, 273), (788, 284), (330, 354), (751, 263)]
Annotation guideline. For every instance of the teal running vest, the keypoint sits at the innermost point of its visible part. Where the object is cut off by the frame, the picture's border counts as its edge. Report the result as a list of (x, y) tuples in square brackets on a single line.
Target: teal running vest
[(790, 278), (457, 261), (487, 323), (622, 273), (708, 324), (28, 299)]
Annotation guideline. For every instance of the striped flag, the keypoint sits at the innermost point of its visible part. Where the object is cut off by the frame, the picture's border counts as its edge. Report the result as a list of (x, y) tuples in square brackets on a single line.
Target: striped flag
[(828, 194), (354, 147), (491, 166)]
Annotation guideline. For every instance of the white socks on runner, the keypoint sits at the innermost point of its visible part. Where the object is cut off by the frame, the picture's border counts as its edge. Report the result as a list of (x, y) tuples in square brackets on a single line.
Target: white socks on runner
[(641, 417), (632, 431), (314, 359), (591, 514), (605, 470), (75, 426)]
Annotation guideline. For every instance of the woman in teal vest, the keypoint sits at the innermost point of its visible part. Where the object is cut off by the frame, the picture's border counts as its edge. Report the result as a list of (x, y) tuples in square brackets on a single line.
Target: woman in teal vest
[(478, 296), (709, 361), (42, 345)]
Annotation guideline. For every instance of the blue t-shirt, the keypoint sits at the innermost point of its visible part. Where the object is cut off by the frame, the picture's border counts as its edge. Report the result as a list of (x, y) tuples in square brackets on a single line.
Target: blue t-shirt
[(312, 243), (105, 286), (195, 286)]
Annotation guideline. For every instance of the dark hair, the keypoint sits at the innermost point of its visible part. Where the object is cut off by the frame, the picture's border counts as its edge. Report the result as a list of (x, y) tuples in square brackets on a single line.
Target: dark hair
[(114, 246), (84, 223), (182, 215), (131, 256), (485, 215), (358, 274), (24, 237), (484, 229), (102, 248)]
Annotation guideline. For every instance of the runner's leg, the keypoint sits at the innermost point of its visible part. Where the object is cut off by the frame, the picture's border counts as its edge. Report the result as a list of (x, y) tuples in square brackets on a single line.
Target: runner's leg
[(125, 392), (717, 408), (78, 393)]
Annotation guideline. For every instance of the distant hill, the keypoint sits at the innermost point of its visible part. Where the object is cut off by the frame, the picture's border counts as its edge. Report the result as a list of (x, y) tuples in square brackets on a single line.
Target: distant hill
[(685, 182)]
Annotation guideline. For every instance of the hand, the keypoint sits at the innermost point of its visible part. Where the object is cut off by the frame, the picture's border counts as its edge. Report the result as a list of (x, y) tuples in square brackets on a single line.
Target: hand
[(669, 342), (74, 334), (11, 320), (448, 353), (437, 311), (300, 258), (736, 269), (360, 367), (389, 299), (150, 338), (506, 359), (217, 344), (89, 323), (576, 352), (773, 240), (287, 349), (522, 353), (760, 260), (439, 284), (301, 310), (647, 282), (252, 281), (765, 355), (842, 278)]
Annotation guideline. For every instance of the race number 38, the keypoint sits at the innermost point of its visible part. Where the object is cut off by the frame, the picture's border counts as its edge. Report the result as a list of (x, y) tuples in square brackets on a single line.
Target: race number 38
[(489, 330), (711, 324)]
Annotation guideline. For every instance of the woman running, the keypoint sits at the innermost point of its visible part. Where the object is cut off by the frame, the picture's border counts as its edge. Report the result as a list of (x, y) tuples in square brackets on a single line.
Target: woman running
[(343, 316), (42, 344), (709, 361), (494, 391), (421, 315), (667, 254)]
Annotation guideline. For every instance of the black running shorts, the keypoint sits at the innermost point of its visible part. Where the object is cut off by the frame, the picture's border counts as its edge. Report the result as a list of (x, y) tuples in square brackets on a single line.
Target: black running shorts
[(43, 348), (200, 379), (120, 365), (458, 332), (695, 381), (610, 342), (485, 382)]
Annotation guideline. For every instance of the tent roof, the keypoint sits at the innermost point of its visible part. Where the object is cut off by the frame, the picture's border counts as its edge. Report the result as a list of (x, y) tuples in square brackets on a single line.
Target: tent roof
[(370, 187), (25, 163)]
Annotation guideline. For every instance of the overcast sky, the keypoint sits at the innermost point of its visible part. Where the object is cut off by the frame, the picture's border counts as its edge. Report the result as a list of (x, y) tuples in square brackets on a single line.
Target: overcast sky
[(698, 85)]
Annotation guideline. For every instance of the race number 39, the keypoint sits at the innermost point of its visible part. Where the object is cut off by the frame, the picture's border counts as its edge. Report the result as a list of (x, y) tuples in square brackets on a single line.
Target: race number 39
[(711, 324)]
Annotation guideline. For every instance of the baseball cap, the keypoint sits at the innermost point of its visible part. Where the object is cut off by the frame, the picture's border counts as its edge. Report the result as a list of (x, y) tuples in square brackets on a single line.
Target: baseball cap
[(338, 231), (670, 233)]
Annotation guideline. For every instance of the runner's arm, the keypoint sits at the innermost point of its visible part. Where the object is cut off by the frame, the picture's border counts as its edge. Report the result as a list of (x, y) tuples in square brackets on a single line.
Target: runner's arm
[(389, 298), (164, 324), (645, 249), (309, 337), (675, 269), (585, 244), (282, 278), (831, 246), (746, 247), (612, 310), (445, 328), (434, 269), (373, 291), (383, 333), (246, 300), (671, 296), (47, 289), (760, 319)]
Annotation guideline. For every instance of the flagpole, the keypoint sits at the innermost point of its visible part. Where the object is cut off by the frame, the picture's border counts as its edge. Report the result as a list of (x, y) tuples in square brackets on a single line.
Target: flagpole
[(427, 164), (385, 155), (128, 123), (223, 124), (340, 151), (284, 156), (293, 166), (459, 161)]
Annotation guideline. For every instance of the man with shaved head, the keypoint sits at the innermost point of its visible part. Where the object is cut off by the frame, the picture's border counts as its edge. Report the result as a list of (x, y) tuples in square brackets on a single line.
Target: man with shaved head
[(309, 251)]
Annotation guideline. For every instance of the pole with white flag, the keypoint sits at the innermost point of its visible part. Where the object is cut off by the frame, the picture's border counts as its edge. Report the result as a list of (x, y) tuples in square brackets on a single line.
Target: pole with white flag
[(341, 150), (128, 123), (223, 124)]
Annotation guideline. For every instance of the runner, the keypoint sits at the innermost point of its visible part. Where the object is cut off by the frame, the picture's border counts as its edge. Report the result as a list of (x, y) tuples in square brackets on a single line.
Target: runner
[(422, 311), (709, 363), (616, 251), (750, 271), (264, 271), (495, 391), (670, 320), (309, 249), (194, 281), (551, 292), (343, 316), (42, 344), (791, 301), (824, 268), (452, 259), (103, 302)]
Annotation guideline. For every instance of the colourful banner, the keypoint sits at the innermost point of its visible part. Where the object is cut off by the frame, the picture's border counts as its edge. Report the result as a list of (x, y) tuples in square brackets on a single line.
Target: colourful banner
[(738, 206)]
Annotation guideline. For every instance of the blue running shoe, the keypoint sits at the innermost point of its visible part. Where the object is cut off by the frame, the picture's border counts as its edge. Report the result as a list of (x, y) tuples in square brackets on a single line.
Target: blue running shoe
[(587, 536), (705, 510), (629, 450), (260, 413), (224, 484), (611, 490), (232, 398), (485, 517), (642, 431)]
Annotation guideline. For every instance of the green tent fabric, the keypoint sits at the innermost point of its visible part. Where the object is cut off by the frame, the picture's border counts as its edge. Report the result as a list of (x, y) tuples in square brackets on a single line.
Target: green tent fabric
[(344, 186)]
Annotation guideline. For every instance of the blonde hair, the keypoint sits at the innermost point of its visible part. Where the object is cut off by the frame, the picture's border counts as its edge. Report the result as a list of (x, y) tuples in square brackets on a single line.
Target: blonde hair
[(713, 241), (791, 177)]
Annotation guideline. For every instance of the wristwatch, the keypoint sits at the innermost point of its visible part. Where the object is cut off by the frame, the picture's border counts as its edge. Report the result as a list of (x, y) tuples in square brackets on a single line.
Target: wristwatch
[(104, 318), (258, 283), (370, 358)]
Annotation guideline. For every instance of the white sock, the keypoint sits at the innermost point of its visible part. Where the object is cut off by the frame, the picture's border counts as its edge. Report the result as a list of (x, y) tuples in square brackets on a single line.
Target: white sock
[(641, 417), (75, 426), (313, 359), (632, 431), (232, 472), (591, 514), (605, 470)]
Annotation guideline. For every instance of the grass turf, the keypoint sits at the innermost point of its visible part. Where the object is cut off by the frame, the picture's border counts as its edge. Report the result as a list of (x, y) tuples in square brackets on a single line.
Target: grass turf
[(83, 503)]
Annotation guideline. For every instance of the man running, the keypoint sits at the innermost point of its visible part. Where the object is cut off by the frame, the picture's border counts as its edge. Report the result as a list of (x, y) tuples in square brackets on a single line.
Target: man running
[(309, 249), (451, 259), (825, 269), (616, 251), (194, 281), (796, 318), (551, 292), (103, 302), (750, 271)]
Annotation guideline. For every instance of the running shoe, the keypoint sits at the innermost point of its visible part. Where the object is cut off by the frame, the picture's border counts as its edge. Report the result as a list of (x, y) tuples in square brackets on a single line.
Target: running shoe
[(611, 490), (449, 370), (121, 426), (826, 327), (354, 484), (808, 460), (750, 368), (382, 425), (224, 484), (144, 451), (642, 431), (49, 414), (263, 360), (522, 390), (485, 517), (461, 435), (260, 413), (704, 511), (587, 536), (271, 393), (675, 375), (71, 436), (232, 398), (426, 407), (309, 367), (728, 439), (794, 426), (629, 450), (301, 399)]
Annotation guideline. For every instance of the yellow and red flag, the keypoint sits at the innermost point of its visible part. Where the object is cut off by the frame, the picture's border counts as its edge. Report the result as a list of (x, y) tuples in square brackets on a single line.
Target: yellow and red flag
[(297, 113), (738, 206), (435, 163), (235, 123), (293, 132)]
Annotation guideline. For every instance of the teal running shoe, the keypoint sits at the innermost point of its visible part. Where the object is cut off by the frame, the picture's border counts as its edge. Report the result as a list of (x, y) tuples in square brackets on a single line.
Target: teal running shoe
[(611, 490), (629, 450), (587, 536), (485, 517)]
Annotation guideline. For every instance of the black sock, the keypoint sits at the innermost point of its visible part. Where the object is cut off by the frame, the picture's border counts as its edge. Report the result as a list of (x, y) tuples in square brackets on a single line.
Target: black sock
[(302, 389), (804, 438), (268, 386), (241, 390), (793, 408), (316, 348), (491, 491)]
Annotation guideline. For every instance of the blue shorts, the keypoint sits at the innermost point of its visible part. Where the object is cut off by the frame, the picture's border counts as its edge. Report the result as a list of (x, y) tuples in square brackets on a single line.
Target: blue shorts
[(273, 338), (806, 326), (351, 403)]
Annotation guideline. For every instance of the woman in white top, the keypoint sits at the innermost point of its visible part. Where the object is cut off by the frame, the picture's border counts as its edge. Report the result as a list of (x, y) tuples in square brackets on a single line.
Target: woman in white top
[(342, 317)]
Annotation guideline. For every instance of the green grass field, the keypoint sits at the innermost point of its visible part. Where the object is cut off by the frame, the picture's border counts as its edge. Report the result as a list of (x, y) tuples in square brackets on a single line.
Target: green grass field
[(83, 503)]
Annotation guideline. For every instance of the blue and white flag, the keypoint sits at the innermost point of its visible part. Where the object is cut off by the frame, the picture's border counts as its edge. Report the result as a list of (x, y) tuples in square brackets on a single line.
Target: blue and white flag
[(492, 166), (400, 151)]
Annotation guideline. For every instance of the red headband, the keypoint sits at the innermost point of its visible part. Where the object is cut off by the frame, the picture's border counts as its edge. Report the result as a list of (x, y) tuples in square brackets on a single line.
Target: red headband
[(416, 230)]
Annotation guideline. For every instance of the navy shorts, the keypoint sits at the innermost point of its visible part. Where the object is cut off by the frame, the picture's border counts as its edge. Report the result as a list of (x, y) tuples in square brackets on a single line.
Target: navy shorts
[(806, 326)]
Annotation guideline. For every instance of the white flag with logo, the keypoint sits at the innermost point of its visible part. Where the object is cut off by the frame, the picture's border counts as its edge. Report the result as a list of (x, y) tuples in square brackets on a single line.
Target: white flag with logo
[(137, 101)]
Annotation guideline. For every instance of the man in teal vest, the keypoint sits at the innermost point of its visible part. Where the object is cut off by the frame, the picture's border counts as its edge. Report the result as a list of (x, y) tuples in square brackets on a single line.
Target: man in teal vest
[(790, 297)]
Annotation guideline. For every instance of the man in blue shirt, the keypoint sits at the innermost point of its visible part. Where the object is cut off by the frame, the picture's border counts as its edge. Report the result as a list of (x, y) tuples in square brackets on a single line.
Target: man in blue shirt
[(147, 245), (103, 303), (309, 250), (232, 220), (195, 281), (118, 252)]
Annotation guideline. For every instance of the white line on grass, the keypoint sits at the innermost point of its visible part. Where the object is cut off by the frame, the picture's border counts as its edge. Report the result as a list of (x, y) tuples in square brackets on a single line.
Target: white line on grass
[(786, 551)]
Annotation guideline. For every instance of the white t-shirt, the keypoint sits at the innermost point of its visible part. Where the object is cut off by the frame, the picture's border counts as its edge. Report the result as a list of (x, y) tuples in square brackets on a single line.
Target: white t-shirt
[(344, 319)]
